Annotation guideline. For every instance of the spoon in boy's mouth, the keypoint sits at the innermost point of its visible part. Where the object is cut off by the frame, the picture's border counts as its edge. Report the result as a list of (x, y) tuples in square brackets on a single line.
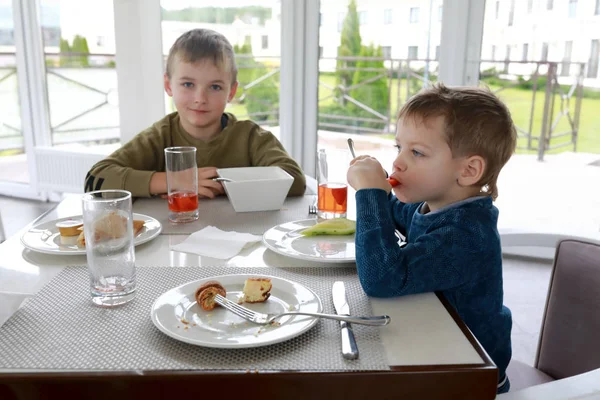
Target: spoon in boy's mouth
[(390, 180)]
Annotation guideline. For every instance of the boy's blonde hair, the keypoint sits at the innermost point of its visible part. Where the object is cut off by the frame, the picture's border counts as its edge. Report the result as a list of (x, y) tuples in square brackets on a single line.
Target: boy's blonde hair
[(476, 123), (203, 44)]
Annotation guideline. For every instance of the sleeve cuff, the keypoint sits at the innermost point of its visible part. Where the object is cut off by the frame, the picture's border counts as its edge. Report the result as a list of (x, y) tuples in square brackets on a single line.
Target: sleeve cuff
[(372, 207), (138, 182)]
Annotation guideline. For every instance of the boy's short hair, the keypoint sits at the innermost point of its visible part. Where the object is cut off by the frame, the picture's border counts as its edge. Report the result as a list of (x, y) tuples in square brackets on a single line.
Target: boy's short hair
[(203, 44), (476, 123)]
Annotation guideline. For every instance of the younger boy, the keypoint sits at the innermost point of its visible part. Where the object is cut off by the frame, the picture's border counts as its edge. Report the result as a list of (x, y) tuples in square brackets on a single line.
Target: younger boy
[(201, 76), (452, 144)]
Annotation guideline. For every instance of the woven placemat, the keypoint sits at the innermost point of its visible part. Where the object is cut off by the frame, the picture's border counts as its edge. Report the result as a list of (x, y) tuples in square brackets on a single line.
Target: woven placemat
[(220, 213), (59, 328)]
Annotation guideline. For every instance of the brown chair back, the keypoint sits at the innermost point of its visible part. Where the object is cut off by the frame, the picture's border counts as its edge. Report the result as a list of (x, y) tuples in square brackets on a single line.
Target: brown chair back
[(570, 337)]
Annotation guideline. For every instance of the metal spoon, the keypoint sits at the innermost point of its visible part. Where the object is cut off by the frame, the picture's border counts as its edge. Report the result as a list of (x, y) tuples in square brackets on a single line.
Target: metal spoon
[(351, 147), (391, 180)]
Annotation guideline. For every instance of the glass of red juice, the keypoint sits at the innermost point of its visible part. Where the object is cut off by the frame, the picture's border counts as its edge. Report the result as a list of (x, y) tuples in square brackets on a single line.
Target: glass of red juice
[(332, 193), (182, 183)]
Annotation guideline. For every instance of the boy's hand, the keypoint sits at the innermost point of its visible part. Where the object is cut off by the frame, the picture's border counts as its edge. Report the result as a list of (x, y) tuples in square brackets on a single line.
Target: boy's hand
[(206, 186), (366, 172)]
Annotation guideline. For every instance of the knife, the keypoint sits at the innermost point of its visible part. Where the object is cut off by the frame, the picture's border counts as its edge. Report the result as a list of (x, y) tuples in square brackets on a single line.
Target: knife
[(349, 348)]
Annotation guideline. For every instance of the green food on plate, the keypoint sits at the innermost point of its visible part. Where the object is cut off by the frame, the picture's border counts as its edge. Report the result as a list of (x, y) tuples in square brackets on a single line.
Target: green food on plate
[(337, 226)]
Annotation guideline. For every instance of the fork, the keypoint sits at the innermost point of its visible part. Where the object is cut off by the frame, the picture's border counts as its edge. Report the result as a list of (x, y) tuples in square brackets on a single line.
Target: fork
[(264, 319), (312, 208)]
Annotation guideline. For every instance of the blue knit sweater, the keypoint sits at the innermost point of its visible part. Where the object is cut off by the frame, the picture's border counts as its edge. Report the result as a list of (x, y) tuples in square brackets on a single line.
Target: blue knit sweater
[(455, 250)]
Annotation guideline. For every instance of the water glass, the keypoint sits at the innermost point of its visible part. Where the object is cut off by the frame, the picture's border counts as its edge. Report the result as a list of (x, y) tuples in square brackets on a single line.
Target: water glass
[(332, 187), (182, 183), (108, 230)]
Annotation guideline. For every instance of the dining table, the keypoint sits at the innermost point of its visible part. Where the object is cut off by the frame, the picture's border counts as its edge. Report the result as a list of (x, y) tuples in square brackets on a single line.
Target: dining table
[(54, 342)]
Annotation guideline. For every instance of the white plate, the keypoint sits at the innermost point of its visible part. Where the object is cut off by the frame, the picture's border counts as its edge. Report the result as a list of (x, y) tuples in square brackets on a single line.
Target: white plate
[(286, 239), (222, 328), (45, 238)]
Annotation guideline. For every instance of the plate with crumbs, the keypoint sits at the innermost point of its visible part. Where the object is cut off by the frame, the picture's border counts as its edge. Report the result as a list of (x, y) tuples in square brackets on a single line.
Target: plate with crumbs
[(177, 314), (46, 238)]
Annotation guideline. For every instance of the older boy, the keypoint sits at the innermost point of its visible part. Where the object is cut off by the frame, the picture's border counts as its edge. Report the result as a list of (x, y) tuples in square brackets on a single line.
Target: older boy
[(201, 76), (452, 144)]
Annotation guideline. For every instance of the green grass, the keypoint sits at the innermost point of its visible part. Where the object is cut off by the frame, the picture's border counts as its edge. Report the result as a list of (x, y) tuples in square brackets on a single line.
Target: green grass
[(519, 102)]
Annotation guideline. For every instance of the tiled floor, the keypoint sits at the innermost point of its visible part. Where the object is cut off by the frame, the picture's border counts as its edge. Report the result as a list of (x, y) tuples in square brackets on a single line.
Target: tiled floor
[(525, 280)]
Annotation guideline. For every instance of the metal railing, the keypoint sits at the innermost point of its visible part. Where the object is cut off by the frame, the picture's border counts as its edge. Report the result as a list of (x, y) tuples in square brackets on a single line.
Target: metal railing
[(554, 80), (70, 124), (258, 96), (401, 77)]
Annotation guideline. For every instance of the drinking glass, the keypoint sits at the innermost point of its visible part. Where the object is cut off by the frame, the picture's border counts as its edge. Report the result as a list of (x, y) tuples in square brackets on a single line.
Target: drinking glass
[(182, 183), (332, 187), (108, 231)]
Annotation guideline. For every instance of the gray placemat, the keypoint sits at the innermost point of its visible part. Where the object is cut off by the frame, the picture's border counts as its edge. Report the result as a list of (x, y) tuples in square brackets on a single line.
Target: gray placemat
[(59, 328), (220, 213)]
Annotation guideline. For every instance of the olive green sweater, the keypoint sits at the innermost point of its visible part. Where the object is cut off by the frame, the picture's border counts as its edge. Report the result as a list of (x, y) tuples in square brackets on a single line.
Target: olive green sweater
[(239, 144)]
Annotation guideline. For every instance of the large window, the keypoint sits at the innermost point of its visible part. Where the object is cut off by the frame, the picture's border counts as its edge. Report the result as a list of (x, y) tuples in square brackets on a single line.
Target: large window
[(572, 8), (414, 15), (13, 160), (79, 48), (253, 27), (367, 72), (387, 16), (550, 47), (566, 64)]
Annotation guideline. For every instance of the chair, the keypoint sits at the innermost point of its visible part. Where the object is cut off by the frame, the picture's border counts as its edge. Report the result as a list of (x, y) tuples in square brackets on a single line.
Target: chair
[(568, 343)]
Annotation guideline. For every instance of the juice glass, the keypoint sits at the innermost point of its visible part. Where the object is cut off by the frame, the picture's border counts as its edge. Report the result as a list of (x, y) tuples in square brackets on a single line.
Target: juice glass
[(333, 189), (182, 183)]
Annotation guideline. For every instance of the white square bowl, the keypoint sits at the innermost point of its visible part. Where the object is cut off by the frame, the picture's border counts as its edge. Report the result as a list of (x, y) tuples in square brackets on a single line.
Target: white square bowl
[(256, 188)]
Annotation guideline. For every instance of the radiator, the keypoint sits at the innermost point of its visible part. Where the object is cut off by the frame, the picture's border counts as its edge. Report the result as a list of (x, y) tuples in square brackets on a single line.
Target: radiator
[(63, 169)]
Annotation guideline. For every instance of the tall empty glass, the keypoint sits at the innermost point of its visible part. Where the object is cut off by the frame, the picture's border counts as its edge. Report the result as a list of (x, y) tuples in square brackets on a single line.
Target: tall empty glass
[(108, 231), (182, 183), (333, 189)]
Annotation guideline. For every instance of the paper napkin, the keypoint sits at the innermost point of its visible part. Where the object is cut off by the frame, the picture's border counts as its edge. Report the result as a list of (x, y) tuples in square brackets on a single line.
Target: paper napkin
[(215, 243)]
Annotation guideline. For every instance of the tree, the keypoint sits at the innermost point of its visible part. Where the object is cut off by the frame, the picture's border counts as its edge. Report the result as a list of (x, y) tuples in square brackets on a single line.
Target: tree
[(263, 97), (80, 46), (350, 45), (374, 94), (64, 49)]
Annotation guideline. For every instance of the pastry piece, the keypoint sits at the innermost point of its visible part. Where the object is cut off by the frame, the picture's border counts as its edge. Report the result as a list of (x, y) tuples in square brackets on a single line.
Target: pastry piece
[(205, 294), (257, 290), (81, 239), (138, 225), (69, 227), (336, 226), (111, 226)]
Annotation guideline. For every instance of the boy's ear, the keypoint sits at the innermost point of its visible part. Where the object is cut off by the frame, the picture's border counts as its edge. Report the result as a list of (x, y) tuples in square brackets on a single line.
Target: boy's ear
[(472, 170), (232, 91), (167, 84)]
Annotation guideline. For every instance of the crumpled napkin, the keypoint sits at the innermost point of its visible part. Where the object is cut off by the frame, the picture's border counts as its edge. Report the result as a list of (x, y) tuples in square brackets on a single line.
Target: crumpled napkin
[(215, 243)]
